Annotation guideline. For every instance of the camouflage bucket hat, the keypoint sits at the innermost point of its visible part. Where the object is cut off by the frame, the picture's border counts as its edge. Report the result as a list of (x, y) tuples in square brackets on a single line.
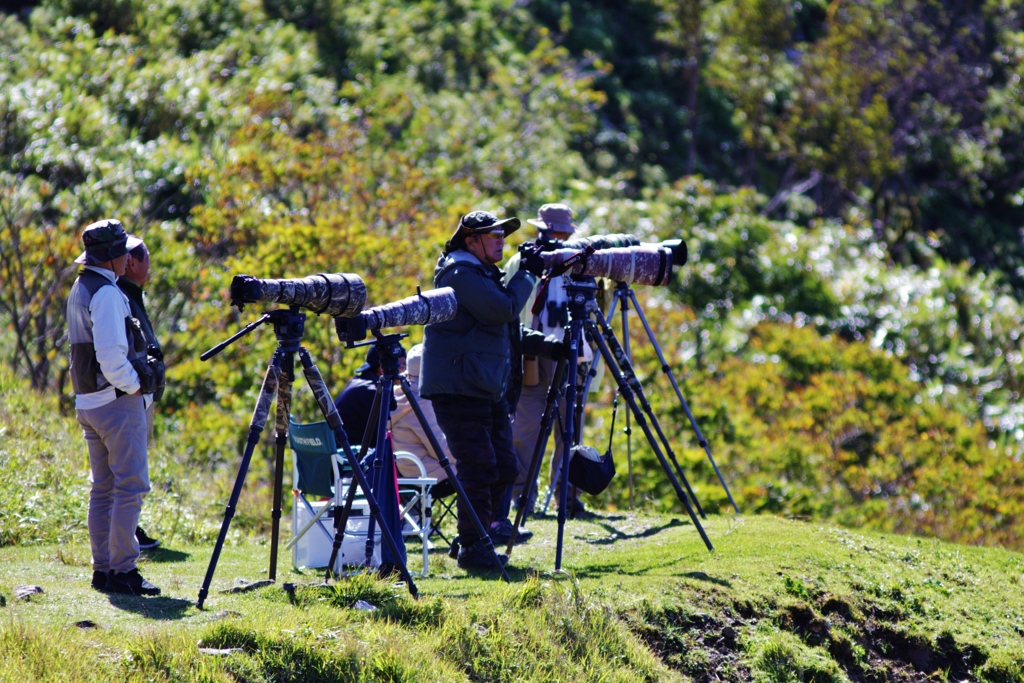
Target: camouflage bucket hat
[(104, 241)]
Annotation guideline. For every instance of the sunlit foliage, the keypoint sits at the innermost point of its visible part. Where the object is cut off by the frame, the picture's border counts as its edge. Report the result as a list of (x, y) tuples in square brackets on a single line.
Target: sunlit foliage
[(847, 327)]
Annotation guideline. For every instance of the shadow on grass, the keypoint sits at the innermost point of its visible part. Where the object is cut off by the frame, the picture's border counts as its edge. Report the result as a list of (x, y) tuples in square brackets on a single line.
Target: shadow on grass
[(614, 535), (589, 516), (599, 571), (160, 608), (165, 555), (701, 576), (596, 572)]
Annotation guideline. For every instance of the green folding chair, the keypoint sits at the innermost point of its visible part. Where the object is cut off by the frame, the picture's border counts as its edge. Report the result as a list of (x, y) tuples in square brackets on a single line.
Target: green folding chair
[(318, 464)]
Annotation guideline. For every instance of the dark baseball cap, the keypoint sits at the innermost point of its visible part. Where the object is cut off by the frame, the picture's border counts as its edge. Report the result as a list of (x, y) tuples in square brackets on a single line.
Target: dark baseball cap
[(104, 241), (479, 223)]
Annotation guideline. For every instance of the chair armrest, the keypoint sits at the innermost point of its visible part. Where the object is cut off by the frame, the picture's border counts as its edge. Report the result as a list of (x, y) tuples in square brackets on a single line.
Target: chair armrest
[(405, 455)]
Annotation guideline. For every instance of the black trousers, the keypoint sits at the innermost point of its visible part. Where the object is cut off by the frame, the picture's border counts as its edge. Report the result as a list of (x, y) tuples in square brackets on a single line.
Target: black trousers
[(479, 435)]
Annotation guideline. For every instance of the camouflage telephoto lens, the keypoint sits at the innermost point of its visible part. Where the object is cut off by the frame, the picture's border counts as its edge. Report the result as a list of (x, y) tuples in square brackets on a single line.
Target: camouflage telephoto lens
[(434, 306), (336, 294), (642, 265), (602, 242)]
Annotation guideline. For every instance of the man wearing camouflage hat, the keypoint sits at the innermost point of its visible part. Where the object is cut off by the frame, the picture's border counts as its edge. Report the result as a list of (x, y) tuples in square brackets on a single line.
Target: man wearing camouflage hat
[(112, 389)]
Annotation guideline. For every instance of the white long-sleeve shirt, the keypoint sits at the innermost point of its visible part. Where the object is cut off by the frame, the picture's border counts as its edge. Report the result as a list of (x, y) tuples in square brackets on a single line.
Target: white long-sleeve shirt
[(107, 310)]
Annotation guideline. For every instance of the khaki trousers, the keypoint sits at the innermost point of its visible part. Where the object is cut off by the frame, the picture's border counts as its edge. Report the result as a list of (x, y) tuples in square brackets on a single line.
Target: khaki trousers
[(116, 435)]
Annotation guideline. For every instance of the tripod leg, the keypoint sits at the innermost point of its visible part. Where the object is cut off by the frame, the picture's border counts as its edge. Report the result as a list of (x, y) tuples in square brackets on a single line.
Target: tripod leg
[(284, 405), (446, 464), (546, 420), (340, 524), (259, 420), (575, 339), (620, 294), (553, 475), (383, 471), (629, 455), (686, 409), (323, 397), (622, 358), (627, 394), (341, 521)]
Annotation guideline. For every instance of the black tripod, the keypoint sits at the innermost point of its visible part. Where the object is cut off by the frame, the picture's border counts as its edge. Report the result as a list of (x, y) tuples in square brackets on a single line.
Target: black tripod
[(389, 351), (581, 308), (289, 326), (625, 294)]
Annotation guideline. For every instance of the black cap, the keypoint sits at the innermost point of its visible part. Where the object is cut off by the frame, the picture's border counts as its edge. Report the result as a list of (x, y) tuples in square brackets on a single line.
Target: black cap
[(478, 223), (104, 241)]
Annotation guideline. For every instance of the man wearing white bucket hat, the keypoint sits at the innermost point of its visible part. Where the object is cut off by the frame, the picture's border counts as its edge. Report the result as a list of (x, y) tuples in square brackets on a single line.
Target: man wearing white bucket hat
[(555, 223)]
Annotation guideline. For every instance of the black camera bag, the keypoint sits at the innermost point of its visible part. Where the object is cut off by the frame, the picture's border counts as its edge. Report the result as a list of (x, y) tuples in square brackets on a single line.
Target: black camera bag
[(589, 474)]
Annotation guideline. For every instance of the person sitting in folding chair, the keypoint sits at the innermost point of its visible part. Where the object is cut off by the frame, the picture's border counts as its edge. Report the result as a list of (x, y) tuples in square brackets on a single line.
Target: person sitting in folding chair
[(407, 434)]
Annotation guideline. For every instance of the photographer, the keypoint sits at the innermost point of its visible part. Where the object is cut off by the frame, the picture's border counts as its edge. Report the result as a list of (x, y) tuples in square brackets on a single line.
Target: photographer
[(112, 382), (555, 224), (472, 367)]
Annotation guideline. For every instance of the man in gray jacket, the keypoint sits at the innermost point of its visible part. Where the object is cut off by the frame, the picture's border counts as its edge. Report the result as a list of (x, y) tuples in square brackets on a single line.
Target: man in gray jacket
[(472, 367), (112, 388)]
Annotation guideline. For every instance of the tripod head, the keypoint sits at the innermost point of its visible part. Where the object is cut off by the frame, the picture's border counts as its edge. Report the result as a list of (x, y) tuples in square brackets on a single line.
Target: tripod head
[(389, 350), (289, 326), (580, 290)]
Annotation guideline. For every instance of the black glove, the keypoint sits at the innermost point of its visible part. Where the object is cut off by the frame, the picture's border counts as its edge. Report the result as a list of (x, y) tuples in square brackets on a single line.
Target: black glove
[(559, 351), (150, 372), (530, 259)]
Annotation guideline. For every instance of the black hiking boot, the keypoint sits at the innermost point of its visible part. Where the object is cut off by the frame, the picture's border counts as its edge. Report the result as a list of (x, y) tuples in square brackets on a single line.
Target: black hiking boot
[(501, 534), (130, 583), (145, 542)]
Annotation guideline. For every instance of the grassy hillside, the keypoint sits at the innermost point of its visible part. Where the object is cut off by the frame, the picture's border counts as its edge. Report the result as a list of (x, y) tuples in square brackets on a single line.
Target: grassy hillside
[(847, 329), (642, 600)]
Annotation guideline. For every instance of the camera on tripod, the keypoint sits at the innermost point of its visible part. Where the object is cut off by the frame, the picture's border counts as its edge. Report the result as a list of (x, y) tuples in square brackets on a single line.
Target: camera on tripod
[(618, 256), (433, 306), (337, 294), (642, 264)]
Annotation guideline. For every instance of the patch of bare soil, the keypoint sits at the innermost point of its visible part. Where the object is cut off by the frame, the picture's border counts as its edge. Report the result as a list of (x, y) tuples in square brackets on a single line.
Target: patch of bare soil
[(871, 644)]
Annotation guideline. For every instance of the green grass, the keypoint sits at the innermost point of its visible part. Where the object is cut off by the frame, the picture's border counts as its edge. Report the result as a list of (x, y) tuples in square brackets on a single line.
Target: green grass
[(641, 600)]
